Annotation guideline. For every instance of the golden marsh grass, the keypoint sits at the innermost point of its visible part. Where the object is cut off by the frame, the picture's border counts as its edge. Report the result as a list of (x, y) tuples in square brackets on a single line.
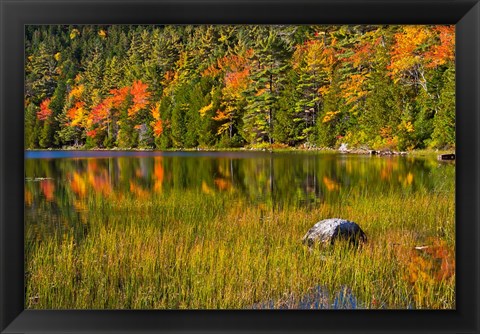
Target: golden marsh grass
[(192, 250)]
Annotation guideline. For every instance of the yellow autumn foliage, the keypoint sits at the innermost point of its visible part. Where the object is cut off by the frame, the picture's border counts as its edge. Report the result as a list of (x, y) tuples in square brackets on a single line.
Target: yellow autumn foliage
[(330, 116), (205, 109)]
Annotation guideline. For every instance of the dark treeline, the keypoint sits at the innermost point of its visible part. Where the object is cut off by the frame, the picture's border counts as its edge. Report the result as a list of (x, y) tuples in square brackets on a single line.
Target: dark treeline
[(232, 86)]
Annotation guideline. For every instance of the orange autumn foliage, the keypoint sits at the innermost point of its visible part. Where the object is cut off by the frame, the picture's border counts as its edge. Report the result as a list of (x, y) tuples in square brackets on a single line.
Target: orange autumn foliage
[(220, 115), (140, 97), (157, 123), (354, 89), (77, 114), (230, 63), (100, 112), (119, 96), (76, 92), (407, 52), (443, 52), (98, 117)]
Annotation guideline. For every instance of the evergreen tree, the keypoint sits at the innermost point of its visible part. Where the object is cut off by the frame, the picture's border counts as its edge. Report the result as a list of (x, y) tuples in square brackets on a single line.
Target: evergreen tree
[(269, 63), (289, 124), (444, 121), (31, 127)]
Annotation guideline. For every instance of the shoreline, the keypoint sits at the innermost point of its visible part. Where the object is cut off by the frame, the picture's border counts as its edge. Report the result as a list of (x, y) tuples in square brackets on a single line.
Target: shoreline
[(386, 152)]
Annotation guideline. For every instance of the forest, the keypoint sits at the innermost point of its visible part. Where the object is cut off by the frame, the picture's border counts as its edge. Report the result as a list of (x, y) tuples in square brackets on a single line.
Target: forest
[(227, 86)]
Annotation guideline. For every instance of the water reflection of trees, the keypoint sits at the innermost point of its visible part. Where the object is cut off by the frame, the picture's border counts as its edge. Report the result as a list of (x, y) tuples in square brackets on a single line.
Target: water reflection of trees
[(279, 179), (59, 192)]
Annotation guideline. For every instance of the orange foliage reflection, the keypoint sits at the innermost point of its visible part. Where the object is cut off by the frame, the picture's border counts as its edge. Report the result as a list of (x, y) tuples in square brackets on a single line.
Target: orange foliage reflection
[(48, 189), (78, 184), (137, 190), (100, 183), (28, 197), (432, 263), (205, 188), (222, 183), (158, 174), (330, 184), (391, 165), (406, 180)]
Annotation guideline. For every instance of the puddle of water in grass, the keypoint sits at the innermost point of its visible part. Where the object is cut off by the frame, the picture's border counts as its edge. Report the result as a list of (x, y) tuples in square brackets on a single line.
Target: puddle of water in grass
[(317, 298)]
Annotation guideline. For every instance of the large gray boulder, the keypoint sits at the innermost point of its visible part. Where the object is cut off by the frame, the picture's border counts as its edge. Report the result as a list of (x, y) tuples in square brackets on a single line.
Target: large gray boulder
[(329, 230)]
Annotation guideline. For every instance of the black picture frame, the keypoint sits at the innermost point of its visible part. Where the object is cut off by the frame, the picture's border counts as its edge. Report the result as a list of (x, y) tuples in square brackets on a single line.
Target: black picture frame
[(465, 14)]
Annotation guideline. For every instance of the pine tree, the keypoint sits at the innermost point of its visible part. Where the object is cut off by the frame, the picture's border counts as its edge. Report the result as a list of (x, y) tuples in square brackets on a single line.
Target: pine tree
[(164, 139), (31, 127), (289, 125), (127, 137), (41, 73), (444, 121), (267, 73), (180, 108)]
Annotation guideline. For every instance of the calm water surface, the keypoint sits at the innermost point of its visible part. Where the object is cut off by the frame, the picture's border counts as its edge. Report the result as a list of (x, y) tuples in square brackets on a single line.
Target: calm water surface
[(61, 183)]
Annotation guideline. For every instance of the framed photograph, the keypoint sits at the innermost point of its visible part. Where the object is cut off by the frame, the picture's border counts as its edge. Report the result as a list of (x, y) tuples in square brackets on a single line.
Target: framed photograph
[(240, 166)]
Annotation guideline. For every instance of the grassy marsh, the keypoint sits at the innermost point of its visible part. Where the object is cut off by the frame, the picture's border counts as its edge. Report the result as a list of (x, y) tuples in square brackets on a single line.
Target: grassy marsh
[(191, 249)]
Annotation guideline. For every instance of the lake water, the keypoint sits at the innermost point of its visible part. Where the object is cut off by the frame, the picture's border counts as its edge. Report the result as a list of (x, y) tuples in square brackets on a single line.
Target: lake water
[(299, 177)]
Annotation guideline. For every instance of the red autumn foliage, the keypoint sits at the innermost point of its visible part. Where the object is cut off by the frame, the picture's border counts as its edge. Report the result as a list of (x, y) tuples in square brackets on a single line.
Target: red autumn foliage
[(45, 111), (99, 113), (92, 133)]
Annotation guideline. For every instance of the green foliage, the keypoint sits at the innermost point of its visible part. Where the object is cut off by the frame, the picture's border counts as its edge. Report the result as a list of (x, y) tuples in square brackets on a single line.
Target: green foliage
[(127, 134), (268, 68), (179, 117), (331, 121), (164, 141), (444, 122), (46, 135), (41, 68), (382, 113), (290, 125), (31, 127)]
